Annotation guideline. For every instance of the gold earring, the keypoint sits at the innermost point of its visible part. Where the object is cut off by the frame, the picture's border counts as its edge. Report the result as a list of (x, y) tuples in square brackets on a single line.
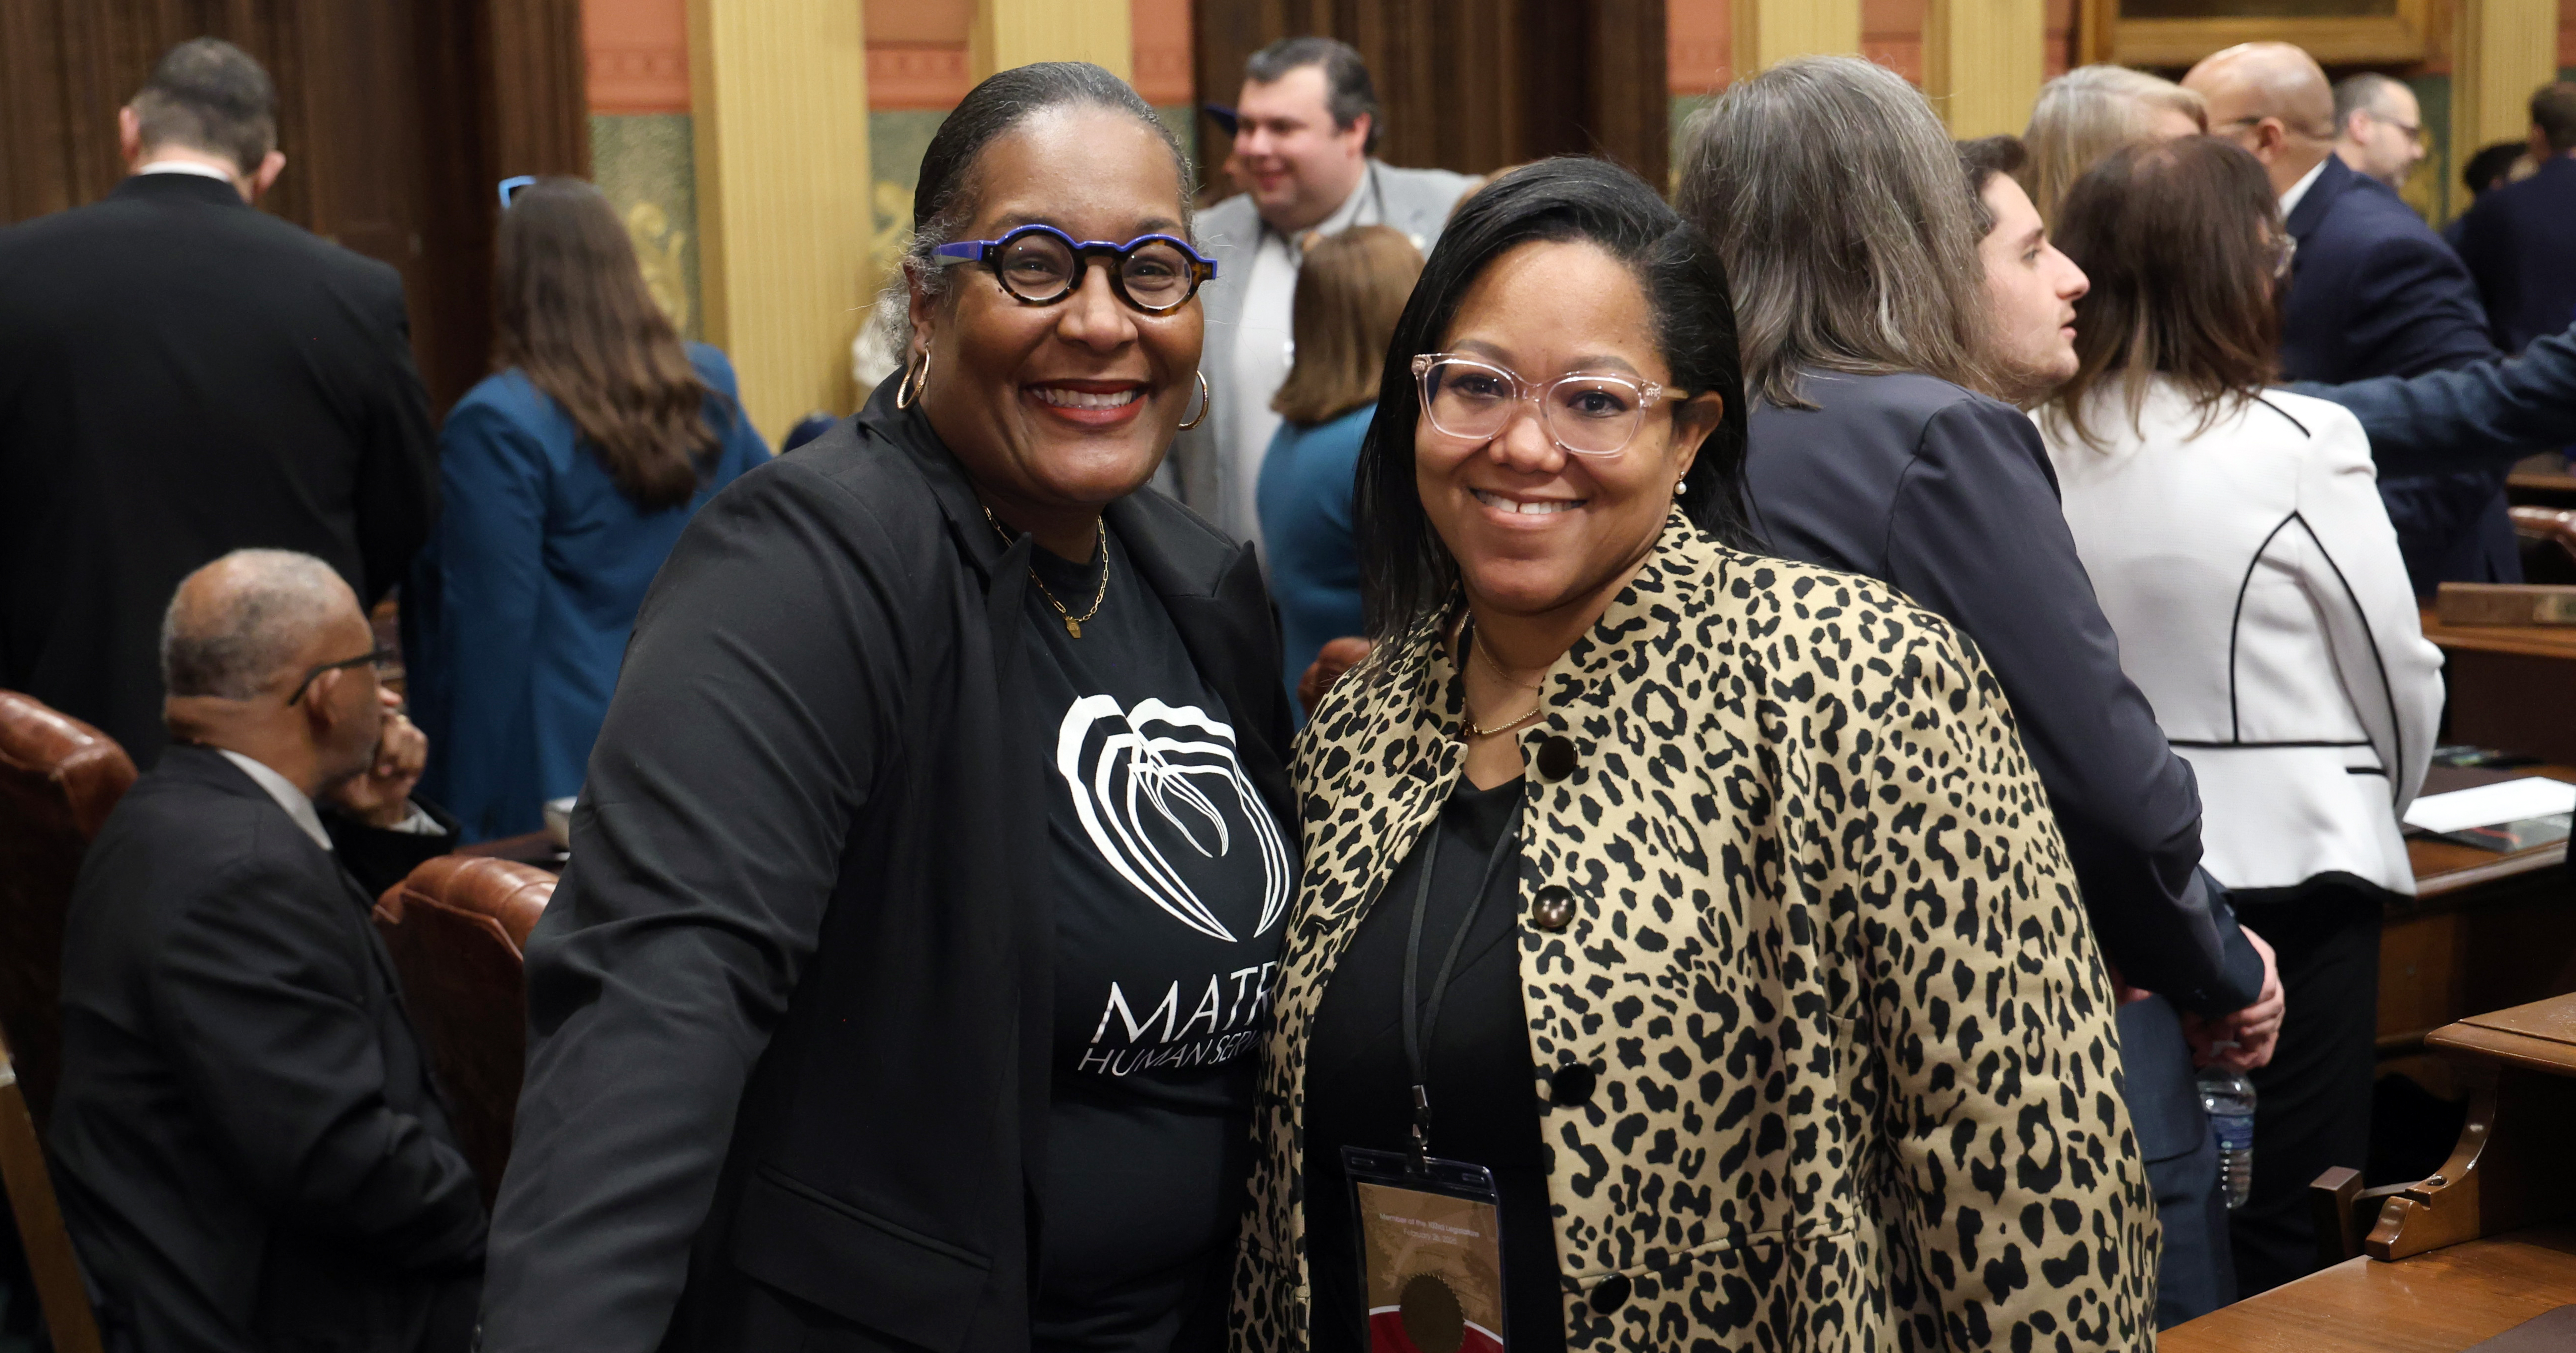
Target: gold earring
[(1206, 400), (909, 393)]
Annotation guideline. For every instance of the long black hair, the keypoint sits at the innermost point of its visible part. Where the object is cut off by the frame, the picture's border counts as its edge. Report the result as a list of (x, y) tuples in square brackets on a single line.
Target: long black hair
[(1406, 572)]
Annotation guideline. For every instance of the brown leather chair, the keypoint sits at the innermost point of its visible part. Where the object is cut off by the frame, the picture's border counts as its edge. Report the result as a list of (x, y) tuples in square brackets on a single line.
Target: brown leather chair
[(456, 928), (2547, 537), (51, 1261), (58, 779)]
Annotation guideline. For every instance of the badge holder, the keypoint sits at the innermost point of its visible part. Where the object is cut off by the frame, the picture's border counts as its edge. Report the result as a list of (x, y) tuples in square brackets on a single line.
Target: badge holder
[(1431, 1252), (1430, 1230)]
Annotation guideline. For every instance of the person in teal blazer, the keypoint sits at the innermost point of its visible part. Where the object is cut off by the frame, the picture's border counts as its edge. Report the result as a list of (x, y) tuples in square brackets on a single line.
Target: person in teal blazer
[(1350, 292), (567, 476)]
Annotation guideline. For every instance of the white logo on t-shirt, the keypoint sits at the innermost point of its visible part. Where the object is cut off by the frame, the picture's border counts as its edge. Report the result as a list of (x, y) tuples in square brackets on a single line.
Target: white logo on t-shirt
[(1178, 766)]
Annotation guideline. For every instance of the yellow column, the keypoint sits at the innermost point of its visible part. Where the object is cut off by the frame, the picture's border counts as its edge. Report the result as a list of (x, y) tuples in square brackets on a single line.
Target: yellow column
[(1983, 61), (779, 97), (1768, 32), (1009, 33), (2502, 50)]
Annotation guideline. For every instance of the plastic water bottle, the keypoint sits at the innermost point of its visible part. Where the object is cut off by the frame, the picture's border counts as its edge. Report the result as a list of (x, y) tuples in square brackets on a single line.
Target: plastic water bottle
[(2229, 1098)]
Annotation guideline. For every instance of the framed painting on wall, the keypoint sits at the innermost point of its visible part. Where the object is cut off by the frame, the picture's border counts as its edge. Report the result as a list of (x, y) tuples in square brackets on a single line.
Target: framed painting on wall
[(2180, 32)]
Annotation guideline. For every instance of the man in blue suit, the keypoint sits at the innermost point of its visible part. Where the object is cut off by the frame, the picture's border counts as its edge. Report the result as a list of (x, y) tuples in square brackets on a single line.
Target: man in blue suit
[(2520, 241), (2373, 292), (2492, 413)]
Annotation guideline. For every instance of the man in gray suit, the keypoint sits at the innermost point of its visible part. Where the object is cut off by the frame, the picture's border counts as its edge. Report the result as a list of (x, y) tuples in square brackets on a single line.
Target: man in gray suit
[(1306, 122)]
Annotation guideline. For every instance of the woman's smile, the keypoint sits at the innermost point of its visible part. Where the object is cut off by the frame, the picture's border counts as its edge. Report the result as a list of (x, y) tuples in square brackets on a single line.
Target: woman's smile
[(1089, 404), (1524, 510)]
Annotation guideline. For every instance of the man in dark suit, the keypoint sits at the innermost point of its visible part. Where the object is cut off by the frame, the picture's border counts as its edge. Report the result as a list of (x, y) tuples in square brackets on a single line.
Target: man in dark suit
[(182, 375), (2373, 292), (250, 1152), (2520, 240)]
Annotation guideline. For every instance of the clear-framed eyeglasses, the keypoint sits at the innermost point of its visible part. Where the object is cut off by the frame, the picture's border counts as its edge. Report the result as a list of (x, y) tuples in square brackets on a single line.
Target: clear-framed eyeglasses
[(1586, 413), (1041, 265)]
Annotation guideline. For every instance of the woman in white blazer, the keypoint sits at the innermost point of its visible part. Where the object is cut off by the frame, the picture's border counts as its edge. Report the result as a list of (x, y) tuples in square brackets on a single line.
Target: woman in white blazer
[(2235, 537)]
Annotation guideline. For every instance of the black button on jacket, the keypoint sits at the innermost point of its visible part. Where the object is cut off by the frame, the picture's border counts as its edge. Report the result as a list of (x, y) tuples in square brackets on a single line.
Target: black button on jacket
[(790, 1010)]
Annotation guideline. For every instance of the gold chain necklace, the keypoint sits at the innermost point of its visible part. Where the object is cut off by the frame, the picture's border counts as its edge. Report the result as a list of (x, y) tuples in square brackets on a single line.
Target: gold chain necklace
[(1476, 646), (1072, 622)]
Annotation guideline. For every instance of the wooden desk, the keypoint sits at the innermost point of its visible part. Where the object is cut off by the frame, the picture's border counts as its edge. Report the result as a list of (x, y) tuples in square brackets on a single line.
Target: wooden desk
[(2476, 1248), (2541, 481), (2440, 1302), (2511, 686), (2483, 932), (2541, 488)]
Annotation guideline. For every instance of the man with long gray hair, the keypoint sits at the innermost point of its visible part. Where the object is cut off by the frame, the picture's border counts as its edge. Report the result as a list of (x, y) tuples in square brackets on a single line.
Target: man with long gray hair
[(1876, 446)]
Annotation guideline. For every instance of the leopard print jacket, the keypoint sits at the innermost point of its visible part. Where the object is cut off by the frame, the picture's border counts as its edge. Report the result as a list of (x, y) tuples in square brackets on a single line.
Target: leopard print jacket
[(1857, 1077)]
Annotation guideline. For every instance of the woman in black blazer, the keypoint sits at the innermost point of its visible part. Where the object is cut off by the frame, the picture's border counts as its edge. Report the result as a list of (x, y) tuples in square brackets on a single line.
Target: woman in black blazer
[(928, 880)]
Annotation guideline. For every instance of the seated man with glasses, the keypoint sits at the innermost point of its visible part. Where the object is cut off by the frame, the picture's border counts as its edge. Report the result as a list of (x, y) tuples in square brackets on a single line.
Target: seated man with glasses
[(250, 1152)]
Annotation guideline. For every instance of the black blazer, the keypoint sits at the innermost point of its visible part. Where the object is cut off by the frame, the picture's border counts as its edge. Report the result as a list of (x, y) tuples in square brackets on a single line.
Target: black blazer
[(790, 1009), (250, 1152), (181, 375), (2519, 242), (2374, 292)]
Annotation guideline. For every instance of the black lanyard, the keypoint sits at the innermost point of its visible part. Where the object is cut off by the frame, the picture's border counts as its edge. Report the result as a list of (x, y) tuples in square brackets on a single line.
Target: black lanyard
[(1419, 1023)]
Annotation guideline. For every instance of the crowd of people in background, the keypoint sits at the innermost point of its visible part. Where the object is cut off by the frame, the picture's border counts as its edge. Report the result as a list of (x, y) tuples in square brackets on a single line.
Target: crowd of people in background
[(1399, 699)]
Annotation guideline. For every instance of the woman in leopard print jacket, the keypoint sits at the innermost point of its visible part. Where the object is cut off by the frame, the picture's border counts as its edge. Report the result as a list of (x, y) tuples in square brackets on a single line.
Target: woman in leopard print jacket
[(1770, 1003)]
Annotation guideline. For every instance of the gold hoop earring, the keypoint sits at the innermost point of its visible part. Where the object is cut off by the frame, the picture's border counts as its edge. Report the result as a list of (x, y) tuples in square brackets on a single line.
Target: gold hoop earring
[(1206, 401), (908, 393)]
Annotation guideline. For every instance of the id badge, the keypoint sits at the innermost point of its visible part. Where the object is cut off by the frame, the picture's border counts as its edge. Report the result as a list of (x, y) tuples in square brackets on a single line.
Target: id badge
[(1431, 1252)]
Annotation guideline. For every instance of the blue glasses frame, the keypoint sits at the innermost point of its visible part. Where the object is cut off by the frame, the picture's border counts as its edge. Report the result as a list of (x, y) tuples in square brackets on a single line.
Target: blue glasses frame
[(511, 187), (989, 252)]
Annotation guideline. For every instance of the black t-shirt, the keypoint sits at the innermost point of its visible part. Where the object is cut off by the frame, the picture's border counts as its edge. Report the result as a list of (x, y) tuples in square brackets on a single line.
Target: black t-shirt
[(1171, 882), (1484, 1100)]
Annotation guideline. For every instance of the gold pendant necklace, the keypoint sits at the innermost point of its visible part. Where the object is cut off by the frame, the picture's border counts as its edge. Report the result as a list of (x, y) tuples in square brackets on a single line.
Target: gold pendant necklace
[(1072, 622)]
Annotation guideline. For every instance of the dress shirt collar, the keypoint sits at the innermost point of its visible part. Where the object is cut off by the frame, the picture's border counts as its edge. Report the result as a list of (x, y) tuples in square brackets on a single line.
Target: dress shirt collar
[(1343, 218), (205, 171), (283, 790), (2290, 200)]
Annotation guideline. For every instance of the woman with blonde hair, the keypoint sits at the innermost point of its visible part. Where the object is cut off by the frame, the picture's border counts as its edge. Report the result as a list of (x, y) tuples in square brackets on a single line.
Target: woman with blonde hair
[(1349, 293), (2090, 111)]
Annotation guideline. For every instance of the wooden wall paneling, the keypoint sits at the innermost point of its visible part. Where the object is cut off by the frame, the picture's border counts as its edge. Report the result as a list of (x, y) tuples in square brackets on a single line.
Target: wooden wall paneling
[(1983, 61), (1768, 32), (784, 217), (1008, 33), (2502, 50), (1472, 85), (35, 155), (1631, 106), (457, 210), (539, 88)]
